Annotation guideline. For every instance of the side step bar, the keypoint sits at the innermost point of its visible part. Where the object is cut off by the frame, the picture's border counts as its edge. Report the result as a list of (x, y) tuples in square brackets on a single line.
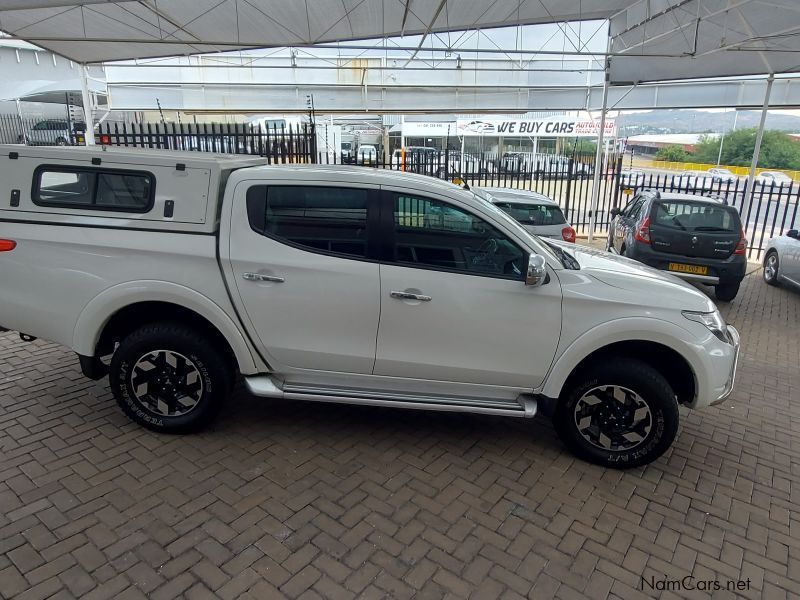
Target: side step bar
[(266, 387)]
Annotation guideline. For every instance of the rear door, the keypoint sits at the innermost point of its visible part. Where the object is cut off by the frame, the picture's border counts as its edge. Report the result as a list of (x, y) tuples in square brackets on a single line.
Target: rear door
[(694, 229), (301, 273)]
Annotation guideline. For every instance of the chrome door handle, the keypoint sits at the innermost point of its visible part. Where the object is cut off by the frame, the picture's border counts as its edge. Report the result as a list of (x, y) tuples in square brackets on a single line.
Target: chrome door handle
[(260, 277), (410, 296)]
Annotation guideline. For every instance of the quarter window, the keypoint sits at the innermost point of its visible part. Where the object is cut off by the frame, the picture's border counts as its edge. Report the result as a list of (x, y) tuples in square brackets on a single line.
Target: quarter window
[(123, 191), (327, 219), (434, 234)]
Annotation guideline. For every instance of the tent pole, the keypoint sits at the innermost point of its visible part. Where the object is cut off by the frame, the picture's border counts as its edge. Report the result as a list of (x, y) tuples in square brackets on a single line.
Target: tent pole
[(87, 106), (756, 152), (598, 158)]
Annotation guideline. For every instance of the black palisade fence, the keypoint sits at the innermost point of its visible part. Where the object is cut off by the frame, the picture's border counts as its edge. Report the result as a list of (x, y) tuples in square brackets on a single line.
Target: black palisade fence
[(567, 178)]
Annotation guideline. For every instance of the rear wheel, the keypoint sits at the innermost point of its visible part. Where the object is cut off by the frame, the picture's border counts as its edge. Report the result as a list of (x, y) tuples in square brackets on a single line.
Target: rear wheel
[(726, 291), (618, 414), (169, 378), (771, 266)]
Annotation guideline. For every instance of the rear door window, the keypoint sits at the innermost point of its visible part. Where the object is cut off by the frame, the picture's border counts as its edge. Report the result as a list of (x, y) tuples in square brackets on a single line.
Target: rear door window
[(321, 219), (695, 216)]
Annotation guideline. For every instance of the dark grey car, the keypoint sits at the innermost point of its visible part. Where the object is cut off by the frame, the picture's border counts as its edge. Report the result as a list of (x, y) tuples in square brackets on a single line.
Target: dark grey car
[(693, 237)]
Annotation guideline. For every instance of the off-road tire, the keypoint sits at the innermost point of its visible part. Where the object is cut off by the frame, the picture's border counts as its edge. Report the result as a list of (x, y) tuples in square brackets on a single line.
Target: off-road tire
[(635, 376), (202, 360)]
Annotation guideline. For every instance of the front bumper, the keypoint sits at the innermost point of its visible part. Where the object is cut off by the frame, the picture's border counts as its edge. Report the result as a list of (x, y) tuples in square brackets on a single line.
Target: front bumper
[(728, 388)]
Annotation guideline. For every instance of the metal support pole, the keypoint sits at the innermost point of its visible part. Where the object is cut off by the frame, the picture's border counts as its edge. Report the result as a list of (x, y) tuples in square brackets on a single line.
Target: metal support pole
[(598, 159), (87, 106), (756, 152), (402, 132)]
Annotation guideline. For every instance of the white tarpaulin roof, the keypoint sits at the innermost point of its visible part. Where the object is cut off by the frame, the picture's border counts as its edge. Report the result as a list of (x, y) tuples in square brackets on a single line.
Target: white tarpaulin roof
[(652, 39)]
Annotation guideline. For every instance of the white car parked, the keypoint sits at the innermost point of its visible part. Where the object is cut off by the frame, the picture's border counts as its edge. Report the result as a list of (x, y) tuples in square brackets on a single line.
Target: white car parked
[(693, 181), (782, 259), (176, 272), (722, 175), (773, 179), (536, 212)]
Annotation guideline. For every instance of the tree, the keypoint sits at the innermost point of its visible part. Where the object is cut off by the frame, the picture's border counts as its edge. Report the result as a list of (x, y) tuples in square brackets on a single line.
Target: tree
[(673, 153), (778, 150)]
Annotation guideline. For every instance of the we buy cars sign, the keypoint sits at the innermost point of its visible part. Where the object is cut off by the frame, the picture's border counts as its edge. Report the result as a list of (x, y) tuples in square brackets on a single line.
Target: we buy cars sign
[(552, 127)]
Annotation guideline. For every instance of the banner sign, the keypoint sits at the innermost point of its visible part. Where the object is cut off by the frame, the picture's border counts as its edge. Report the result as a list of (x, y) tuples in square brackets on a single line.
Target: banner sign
[(425, 129), (551, 127)]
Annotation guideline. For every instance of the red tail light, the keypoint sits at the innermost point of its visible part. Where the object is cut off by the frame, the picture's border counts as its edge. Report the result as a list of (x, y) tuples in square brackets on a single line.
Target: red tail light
[(643, 233), (7, 245), (741, 247), (568, 233)]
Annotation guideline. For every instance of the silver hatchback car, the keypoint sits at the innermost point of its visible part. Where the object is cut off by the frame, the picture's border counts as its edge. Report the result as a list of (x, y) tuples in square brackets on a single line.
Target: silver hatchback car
[(535, 212)]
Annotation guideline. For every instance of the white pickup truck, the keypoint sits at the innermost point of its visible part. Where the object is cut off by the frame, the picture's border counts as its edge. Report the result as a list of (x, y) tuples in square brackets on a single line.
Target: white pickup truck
[(175, 273)]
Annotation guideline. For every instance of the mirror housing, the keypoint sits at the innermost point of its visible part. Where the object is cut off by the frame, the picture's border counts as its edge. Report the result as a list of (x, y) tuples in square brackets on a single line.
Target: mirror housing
[(614, 211), (793, 233), (537, 270)]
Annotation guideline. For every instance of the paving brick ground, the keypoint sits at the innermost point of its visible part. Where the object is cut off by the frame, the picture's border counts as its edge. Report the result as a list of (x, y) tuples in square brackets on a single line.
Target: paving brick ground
[(308, 500)]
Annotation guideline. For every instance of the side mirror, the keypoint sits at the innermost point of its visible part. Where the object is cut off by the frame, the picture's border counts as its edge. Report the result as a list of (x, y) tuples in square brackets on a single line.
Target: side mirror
[(537, 270), (793, 233), (614, 211)]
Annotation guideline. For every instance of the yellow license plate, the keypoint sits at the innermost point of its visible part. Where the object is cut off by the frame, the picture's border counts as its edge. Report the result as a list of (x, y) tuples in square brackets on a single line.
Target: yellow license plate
[(693, 269)]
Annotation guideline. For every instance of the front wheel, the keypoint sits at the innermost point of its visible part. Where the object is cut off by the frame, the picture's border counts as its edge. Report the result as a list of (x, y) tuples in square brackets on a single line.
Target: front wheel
[(726, 291), (169, 378), (771, 266), (619, 414)]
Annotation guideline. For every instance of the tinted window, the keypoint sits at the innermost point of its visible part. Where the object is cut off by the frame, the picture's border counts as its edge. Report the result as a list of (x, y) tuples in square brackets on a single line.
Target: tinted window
[(633, 208), (695, 216), (325, 219), (533, 214), (433, 234), (122, 191)]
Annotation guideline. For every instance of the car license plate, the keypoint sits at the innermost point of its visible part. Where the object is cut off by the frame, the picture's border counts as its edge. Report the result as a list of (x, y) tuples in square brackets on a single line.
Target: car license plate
[(693, 269)]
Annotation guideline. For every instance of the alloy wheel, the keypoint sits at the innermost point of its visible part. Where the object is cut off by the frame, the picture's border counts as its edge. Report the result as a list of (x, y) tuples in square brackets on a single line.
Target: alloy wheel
[(612, 417), (771, 267), (167, 383)]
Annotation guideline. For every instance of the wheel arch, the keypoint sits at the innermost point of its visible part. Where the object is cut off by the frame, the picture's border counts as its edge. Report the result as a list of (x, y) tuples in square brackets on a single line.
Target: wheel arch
[(666, 351), (121, 309)]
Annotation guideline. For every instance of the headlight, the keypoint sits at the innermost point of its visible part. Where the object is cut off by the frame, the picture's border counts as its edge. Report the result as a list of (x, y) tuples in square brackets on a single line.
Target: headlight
[(713, 322)]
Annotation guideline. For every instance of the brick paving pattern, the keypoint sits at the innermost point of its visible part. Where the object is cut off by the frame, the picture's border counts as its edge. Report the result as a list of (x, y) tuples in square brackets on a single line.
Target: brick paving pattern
[(326, 501)]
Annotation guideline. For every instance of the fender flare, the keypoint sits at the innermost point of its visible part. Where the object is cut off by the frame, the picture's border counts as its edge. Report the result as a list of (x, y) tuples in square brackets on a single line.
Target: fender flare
[(627, 329), (96, 314)]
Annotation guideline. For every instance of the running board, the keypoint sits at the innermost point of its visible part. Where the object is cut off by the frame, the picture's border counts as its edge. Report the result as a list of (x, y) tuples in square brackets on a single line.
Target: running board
[(266, 387)]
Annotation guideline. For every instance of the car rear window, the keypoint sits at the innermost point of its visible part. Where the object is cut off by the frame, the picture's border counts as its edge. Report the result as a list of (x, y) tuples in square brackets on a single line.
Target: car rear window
[(93, 189), (695, 216), (533, 214)]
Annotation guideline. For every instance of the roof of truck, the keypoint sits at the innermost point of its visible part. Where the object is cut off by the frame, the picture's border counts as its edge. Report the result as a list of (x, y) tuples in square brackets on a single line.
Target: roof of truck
[(354, 173), (136, 155)]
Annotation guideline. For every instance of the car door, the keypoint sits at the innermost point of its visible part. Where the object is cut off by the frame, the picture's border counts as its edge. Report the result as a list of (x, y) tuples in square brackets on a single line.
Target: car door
[(302, 274), (454, 305), (791, 259)]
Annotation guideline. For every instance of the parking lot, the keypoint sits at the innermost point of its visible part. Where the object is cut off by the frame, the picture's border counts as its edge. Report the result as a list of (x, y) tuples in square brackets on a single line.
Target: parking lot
[(312, 500)]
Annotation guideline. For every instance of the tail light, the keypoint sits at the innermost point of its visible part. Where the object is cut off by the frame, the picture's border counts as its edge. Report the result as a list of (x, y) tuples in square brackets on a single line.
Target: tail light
[(7, 245), (568, 233), (643, 233), (741, 246)]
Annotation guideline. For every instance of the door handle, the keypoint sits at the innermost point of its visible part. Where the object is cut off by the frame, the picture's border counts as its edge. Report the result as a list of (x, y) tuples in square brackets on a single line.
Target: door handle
[(262, 278), (410, 296)]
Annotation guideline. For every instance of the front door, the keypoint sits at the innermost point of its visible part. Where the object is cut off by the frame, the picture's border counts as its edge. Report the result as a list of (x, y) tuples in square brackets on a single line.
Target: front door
[(301, 272), (454, 305)]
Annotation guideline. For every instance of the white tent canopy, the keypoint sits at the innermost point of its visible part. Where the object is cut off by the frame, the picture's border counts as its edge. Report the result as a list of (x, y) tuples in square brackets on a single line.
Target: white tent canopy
[(652, 39)]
